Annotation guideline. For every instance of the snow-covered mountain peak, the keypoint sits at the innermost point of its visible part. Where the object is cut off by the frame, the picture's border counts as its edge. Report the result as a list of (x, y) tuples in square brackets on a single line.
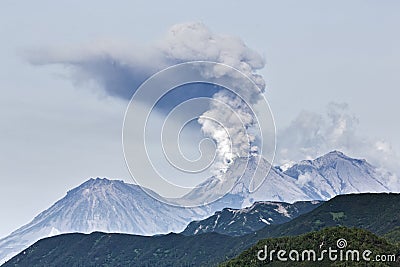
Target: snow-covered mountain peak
[(247, 180), (101, 205), (335, 153), (330, 160), (100, 185), (336, 173), (95, 184), (335, 156)]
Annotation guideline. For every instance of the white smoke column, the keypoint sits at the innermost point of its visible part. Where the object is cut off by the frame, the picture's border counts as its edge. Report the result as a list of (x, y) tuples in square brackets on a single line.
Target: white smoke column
[(231, 129), (233, 117)]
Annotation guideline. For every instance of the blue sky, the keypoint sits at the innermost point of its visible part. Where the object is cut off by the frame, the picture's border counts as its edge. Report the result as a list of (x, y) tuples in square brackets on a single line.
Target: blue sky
[(58, 130)]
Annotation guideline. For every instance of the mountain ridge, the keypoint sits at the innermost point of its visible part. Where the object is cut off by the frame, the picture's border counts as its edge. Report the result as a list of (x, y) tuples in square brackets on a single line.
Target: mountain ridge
[(125, 208), (236, 222), (208, 249)]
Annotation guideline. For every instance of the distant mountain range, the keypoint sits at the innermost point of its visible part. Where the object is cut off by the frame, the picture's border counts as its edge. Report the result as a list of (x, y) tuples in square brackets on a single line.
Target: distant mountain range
[(377, 213), (320, 179), (117, 207)]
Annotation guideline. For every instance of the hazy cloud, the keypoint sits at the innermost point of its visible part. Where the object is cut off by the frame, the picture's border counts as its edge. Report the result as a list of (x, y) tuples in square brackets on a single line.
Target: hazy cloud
[(310, 135), (119, 68)]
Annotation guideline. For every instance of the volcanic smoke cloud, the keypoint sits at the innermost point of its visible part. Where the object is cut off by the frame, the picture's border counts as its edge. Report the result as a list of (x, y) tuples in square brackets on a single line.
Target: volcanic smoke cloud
[(119, 68), (232, 117)]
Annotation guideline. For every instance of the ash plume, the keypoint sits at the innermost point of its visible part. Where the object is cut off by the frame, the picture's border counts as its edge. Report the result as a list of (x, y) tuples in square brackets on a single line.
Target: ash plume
[(119, 68)]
